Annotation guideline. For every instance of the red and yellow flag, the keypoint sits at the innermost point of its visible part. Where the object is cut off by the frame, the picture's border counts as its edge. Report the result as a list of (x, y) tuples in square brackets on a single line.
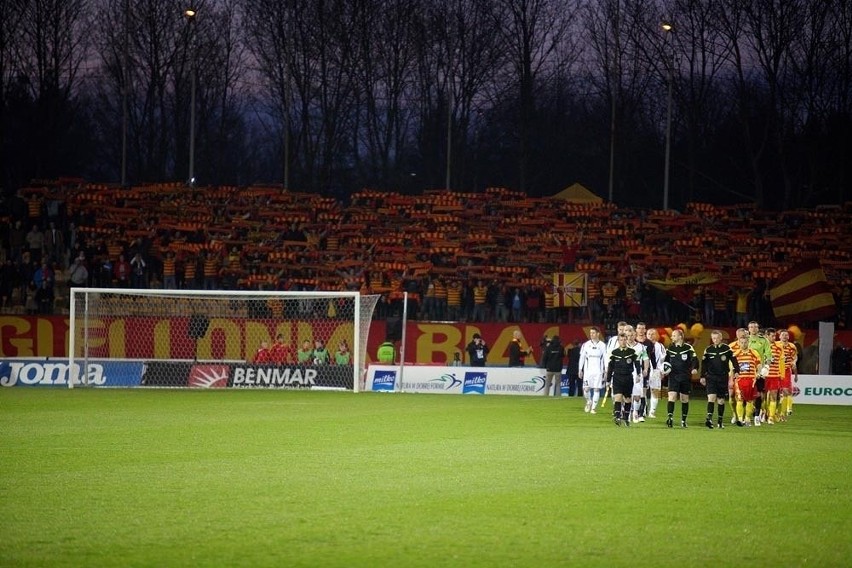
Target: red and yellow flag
[(802, 294)]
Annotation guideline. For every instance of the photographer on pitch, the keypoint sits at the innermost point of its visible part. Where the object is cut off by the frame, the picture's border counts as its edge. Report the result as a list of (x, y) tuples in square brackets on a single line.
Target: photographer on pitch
[(477, 350)]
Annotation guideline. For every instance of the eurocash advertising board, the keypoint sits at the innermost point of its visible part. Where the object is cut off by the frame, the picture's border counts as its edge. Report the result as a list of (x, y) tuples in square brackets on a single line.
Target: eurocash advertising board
[(810, 389), (823, 389), (457, 380)]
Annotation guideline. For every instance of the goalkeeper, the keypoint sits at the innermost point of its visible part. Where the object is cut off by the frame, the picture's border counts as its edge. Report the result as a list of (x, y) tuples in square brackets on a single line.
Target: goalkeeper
[(759, 343)]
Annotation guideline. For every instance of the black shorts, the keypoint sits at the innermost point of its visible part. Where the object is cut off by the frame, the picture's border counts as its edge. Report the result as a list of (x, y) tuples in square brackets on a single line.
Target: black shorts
[(680, 384), (622, 386), (717, 386), (760, 384)]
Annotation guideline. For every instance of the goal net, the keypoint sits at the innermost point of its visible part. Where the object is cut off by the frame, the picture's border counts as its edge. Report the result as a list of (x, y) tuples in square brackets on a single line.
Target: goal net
[(216, 338)]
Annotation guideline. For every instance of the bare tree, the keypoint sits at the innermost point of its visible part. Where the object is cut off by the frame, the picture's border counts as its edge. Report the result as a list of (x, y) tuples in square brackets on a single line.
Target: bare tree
[(479, 57), (156, 35), (222, 72), (436, 57), (306, 54), (732, 20), (761, 35), (384, 84), (773, 27), (268, 28), (623, 74), (821, 54), (698, 52), (460, 60), (144, 50), (532, 31), (149, 50), (364, 92), (45, 52), (10, 81), (839, 36)]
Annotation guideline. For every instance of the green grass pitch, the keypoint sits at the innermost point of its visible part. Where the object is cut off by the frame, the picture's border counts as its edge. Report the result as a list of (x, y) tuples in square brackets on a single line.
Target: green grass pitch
[(271, 478)]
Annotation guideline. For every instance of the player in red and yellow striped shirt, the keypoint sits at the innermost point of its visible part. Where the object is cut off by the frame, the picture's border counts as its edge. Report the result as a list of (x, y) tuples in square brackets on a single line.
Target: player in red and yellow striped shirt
[(749, 362), (732, 395), (788, 371), (773, 379)]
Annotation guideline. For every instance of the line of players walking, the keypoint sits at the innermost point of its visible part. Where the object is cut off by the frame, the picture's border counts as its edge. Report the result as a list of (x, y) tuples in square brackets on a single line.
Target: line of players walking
[(754, 374)]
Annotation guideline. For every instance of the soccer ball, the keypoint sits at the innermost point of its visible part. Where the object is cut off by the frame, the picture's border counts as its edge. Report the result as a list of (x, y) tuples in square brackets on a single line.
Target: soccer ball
[(667, 367), (764, 370)]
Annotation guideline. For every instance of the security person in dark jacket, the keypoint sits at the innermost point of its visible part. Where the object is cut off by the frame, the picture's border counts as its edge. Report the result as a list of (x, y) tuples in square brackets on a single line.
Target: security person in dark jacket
[(552, 359), (624, 367), (684, 364), (572, 368), (718, 367)]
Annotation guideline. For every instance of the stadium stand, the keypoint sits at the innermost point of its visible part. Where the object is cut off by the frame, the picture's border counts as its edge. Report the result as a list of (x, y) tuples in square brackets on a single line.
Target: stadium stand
[(266, 237)]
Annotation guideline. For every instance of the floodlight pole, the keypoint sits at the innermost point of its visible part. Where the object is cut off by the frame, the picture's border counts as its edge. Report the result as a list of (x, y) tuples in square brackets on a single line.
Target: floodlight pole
[(124, 88), (669, 59), (402, 340), (190, 14)]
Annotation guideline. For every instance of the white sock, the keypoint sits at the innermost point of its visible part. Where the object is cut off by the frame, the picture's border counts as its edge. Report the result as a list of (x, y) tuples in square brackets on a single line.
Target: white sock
[(596, 395), (654, 401)]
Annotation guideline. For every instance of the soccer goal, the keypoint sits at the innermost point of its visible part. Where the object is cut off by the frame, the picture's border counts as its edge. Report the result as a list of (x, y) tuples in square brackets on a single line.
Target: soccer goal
[(218, 338)]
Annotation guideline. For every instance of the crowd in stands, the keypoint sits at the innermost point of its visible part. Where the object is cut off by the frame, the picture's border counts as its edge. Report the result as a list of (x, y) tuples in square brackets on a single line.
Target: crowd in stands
[(486, 256)]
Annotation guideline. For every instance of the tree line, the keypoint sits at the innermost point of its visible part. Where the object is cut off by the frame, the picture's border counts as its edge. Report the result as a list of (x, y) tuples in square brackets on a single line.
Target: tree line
[(751, 97)]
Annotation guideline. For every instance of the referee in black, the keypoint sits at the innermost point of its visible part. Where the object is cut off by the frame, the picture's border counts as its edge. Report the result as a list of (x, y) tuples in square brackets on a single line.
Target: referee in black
[(624, 367), (718, 367), (684, 363)]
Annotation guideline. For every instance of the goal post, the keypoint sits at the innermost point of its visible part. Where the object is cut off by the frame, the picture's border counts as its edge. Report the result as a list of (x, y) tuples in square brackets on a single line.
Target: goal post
[(218, 338)]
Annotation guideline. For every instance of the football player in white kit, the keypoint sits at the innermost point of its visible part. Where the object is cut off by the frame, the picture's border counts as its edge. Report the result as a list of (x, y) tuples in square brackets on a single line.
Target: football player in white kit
[(655, 377), (638, 379), (593, 369), (612, 342)]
